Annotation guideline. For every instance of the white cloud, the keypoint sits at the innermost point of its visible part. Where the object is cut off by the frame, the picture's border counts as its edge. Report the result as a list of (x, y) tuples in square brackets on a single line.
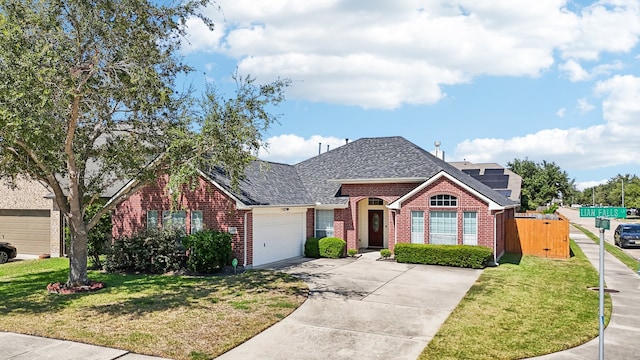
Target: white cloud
[(593, 147), (589, 184), (574, 71), (560, 113), (584, 106), (200, 38), (383, 54), (291, 149)]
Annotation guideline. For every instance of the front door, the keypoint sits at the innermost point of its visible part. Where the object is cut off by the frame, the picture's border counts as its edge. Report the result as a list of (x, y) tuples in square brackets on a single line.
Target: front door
[(376, 227)]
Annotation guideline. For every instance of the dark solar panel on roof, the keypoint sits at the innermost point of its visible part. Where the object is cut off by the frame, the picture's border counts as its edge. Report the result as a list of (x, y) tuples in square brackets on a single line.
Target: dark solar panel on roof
[(505, 193), (494, 171)]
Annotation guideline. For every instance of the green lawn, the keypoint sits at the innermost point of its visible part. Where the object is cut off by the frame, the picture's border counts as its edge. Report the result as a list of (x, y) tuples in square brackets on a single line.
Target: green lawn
[(171, 316), (626, 259), (525, 307)]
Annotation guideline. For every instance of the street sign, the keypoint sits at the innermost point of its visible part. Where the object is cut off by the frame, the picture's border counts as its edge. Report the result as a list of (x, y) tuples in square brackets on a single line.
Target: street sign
[(607, 212), (603, 223)]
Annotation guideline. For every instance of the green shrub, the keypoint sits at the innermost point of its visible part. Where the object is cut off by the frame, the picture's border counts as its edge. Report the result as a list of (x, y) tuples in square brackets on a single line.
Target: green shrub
[(331, 247), (465, 256), (149, 251), (311, 248), (551, 209), (208, 251), (385, 253), (352, 252)]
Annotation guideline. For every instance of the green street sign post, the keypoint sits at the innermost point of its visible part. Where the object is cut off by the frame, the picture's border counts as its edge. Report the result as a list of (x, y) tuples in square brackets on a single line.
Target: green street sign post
[(602, 216), (607, 212)]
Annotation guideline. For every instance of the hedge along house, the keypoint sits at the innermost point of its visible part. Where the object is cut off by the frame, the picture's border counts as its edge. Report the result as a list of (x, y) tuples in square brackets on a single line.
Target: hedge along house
[(373, 193)]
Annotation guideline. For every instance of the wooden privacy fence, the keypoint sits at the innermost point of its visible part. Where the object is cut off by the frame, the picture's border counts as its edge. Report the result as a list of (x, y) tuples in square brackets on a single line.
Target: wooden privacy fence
[(538, 235)]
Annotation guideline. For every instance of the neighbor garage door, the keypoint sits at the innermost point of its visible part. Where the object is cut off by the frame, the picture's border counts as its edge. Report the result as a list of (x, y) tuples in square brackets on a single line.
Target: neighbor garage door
[(28, 230), (277, 236)]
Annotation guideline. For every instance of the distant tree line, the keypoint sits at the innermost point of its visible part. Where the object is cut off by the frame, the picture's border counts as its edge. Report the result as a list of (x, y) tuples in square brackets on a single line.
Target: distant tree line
[(542, 183), (610, 193), (545, 182)]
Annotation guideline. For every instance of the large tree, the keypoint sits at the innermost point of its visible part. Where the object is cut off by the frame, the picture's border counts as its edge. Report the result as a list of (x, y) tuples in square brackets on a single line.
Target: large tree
[(542, 182), (88, 99)]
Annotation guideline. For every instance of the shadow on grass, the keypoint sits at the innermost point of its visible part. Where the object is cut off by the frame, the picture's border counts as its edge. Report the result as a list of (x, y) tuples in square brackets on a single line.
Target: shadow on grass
[(28, 293), (136, 294), (141, 294), (511, 258)]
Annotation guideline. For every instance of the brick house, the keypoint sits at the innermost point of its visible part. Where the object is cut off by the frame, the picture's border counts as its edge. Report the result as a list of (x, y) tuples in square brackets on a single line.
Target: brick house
[(373, 193)]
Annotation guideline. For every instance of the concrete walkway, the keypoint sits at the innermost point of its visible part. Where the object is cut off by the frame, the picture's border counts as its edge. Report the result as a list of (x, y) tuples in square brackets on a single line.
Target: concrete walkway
[(361, 309), (25, 347), (624, 328)]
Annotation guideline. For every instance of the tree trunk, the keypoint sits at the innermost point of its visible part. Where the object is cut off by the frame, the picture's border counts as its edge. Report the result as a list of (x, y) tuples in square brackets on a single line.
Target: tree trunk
[(78, 252)]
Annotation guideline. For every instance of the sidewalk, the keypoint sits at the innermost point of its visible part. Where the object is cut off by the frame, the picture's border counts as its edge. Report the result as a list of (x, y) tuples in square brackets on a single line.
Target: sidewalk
[(25, 347), (624, 327)]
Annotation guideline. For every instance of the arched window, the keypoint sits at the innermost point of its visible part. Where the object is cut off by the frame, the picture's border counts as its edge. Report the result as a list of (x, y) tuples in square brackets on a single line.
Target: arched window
[(444, 200), (376, 201)]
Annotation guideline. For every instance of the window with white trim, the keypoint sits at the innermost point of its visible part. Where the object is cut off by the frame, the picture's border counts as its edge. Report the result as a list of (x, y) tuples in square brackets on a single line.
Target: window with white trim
[(376, 201), (417, 227), (175, 220), (152, 219), (324, 223), (470, 228), (196, 221), (443, 228), (444, 200)]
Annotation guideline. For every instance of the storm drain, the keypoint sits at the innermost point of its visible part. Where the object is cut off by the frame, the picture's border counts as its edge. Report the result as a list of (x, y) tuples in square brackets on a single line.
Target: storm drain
[(607, 290)]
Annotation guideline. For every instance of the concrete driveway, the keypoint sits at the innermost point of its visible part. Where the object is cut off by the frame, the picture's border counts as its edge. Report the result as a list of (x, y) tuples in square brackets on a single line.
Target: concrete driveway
[(361, 309)]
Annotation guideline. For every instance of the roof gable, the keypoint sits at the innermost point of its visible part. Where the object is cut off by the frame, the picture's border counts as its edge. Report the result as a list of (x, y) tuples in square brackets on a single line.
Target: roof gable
[(398, 203)]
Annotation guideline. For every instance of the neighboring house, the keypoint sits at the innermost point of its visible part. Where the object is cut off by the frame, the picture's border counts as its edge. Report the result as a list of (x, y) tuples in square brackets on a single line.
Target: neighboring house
[(29, 219), (502, 180), (373, 193)]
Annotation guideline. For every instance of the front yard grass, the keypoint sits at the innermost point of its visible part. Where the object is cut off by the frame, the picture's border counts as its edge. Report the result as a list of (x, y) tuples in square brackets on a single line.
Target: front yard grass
[(177, 317), (612, 249), (525, 307)]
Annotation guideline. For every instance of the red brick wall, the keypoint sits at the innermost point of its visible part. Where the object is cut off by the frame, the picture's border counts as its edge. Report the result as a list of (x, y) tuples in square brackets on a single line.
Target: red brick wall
[(466, 202), (311, 222), (218, 210), (346, 220)]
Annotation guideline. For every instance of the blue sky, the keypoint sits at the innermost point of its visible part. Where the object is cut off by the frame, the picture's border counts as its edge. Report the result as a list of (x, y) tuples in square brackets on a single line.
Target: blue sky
[(491, 80)]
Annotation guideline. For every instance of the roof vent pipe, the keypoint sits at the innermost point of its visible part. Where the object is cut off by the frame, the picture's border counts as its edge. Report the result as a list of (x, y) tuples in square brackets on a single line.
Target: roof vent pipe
[(327, 147), (346, 141), (319, 148), (437, 152)]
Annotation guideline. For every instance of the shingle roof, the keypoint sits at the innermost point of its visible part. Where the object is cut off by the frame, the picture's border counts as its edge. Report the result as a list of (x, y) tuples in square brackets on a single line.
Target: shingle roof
[(379, 158), (265, 183), (317, 180)]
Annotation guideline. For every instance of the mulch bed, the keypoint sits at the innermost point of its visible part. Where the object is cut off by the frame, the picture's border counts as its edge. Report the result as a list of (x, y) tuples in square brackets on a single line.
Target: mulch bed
[(63, 289)]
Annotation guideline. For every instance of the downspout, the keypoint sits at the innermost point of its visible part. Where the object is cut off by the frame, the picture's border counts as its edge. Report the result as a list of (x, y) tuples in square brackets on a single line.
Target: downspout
[(495, 236), (245, 240)]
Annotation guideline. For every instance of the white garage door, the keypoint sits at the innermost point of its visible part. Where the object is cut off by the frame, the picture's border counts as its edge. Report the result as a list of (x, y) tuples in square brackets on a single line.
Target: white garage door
[(277, 236), (27, 230)]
